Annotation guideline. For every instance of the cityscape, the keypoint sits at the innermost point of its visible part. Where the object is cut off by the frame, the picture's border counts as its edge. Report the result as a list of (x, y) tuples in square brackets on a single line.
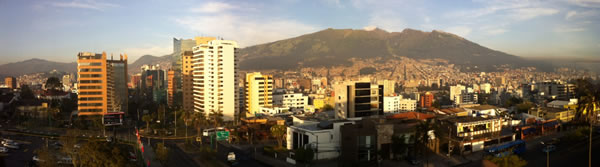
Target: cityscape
[(358, 83)]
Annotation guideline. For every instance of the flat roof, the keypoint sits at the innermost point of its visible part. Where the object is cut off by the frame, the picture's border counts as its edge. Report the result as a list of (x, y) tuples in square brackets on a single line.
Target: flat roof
[(469, 119), (483, 107)]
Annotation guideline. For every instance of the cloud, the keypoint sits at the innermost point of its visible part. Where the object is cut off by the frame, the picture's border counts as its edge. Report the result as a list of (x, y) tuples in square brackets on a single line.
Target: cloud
[(155, 50), (570, 14), (530, 13), (369, 28), (213, 7), (84, 4), (462, 31), (586, 3), (387, 20), (564, 29), (246, 30), (496, 31)]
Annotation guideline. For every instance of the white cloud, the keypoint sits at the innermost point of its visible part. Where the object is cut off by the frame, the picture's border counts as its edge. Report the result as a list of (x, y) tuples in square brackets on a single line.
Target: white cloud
[(570, 14), (496, 31), (568, 29), (586, 3), (84, 4), (387, 20), (213, 7), (530, 13), (369, 28), (155, 50), (462, 31), (246, 30)]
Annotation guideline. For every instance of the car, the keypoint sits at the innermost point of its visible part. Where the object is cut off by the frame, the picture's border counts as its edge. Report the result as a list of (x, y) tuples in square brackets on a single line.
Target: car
[(36, 158), (109, 139), (231, 156), (414, 161), (132, 157), (3, 150), (549, 148), (11, 146)]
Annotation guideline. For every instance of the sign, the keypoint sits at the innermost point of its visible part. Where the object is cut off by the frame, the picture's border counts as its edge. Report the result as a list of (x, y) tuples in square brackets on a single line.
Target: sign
[(113, 118), (222, 135)]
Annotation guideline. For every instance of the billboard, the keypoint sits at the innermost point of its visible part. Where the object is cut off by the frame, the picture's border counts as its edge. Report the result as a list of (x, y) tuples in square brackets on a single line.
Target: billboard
[(113, 118)]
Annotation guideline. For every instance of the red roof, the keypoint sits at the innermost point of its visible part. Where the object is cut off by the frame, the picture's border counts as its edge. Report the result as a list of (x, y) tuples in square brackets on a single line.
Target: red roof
[(411, 115)]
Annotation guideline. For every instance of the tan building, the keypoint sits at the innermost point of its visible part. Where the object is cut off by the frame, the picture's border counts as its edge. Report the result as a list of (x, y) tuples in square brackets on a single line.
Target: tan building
[(259, 92), (187, 80), (101, 84), (171, 86), (10, 82)]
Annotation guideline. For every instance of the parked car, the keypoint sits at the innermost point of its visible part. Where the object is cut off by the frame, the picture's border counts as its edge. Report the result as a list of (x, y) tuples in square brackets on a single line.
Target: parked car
[(3, 150), (231, 156), (11, 146), (549, 148), (36, 158)]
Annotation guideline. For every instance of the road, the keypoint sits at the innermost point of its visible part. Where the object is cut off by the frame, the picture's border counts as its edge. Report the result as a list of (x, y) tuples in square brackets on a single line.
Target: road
[(565, 155), (244, 157), (23, 155)]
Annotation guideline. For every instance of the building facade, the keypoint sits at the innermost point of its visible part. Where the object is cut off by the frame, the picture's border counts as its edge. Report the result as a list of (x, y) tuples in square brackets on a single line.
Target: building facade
[(358, 99), (187, 85), (215, 78), (426, 100), (101, 83), (171, 87), (259, 92), (10, 82)]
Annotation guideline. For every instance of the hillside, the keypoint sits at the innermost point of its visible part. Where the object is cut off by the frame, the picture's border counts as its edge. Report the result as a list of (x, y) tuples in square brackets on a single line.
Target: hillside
[(164, 61), (332, 47), (35, 66)]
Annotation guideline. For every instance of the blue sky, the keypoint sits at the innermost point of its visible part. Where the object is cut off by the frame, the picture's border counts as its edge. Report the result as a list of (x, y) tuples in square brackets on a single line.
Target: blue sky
[(58, 29)]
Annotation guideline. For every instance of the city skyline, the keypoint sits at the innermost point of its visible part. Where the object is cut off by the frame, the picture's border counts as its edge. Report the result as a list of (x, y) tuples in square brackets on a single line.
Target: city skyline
[(56, 30)]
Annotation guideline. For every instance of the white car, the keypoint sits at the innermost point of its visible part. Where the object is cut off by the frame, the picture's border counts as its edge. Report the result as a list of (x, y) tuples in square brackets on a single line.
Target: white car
[(231, 156), (36, 158), (3, 150)]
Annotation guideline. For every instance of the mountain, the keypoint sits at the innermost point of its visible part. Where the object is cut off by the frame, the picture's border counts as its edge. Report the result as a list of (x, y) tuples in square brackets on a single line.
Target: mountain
[(164, 61), (35, 66), (331, 47)]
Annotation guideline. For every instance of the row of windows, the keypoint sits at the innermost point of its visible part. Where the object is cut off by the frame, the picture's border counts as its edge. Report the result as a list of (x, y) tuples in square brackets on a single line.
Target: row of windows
[(90, 81), (90, 98), (90, 93), (90, 110), (90, 75), (90, 87), (90, 70), (90, 104), (89, 64)]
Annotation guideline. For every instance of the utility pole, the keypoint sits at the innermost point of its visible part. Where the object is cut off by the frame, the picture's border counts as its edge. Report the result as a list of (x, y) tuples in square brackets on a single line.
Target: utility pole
[(175, 123), (547, 158)]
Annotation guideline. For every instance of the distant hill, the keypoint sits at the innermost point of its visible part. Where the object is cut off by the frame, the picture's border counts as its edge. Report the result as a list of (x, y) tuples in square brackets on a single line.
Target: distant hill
[(331, 47), (164, 61), (35, 66)]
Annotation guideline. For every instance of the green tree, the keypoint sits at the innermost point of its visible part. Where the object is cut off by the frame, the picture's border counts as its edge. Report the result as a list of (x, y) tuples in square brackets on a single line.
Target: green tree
[(507, 161), (162, 153), (279, 132), (423, 135), (53, 83), (187, 118), (103, 154), (147, 118), (327, 107), (26, 92), (217, 117), (524, 107), (199, 121), (304, 155), (399, 146), (69, 140), (588, 101), (47, 159)]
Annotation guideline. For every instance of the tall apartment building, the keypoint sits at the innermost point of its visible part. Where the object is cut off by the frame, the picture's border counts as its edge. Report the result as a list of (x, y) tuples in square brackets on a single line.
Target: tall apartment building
[(259, 92), (101, 83), (215, 78), (187, 80), (426, 100), (358, 99), (171, 87), (10, 82)]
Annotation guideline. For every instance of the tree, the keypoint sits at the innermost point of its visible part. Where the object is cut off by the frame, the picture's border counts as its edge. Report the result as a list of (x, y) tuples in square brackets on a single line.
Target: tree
[(69, 140), (187, 118), (423, 135), (26, 92), (399, 145), (588, 101), (304, 155), (47, 159), (162, 153), (279, 132), (147, 118), (199, 121), (507, 161), (327, 107), (53, 83), (217, 117), (524, 107), (103, 154)]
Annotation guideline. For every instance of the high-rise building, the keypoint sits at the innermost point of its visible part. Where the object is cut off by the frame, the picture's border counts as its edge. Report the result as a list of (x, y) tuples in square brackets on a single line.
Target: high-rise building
[(187, 80), (136, 80), (426, 100), (259, 92), (10, 82), (171, 87), (101, 83), (358, 99), (215, 78)]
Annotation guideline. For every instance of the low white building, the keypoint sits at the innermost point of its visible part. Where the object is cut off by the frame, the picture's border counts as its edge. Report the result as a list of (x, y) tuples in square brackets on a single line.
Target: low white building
[(273, 110), (294, 101), (322, 136), (395, 104)]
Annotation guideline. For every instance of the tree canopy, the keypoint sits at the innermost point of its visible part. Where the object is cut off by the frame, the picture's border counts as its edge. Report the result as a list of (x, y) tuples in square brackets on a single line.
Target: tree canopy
[(53, 83)]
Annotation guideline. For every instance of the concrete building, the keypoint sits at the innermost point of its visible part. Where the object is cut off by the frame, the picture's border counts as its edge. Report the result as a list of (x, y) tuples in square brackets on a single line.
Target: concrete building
[(358, 99), (101, 83), (322, 136), (215, 77), (171, 87), (395, 104), (259, 92), (187, 77), (10, 82), (294, 101), (426, 100), (470, 134)]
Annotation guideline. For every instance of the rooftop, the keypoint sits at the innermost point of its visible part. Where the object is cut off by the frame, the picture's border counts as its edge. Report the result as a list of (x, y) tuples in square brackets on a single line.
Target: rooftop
[(451, 111), (469, 119), (411, 115), (482, 107)]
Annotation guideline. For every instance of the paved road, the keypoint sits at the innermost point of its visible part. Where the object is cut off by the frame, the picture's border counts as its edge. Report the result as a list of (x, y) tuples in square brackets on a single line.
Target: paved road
[(565, 155), (23, 155), (244, 157)]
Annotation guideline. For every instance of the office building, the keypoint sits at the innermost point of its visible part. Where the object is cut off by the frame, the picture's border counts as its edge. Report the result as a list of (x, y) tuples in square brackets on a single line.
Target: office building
[(187, 80), (171, 87), (293, 101), (426, 100), (215, 78), (10, 82), (259, 92), (101, 84), (358, 99)]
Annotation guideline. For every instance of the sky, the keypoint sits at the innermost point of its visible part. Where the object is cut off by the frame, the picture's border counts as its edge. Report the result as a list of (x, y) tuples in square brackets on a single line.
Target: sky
[(58, 29)]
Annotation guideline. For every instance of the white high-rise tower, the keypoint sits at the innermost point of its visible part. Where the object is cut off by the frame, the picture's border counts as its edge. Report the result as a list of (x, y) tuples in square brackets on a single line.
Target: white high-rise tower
[(215, 78)]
